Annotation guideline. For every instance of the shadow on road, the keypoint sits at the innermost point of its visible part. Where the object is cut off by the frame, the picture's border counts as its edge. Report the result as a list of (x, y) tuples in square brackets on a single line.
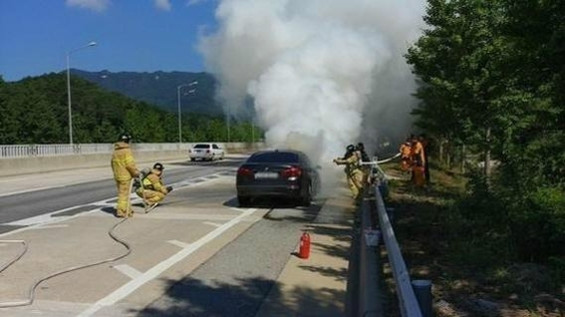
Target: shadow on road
[(248, 296), (243, 297)]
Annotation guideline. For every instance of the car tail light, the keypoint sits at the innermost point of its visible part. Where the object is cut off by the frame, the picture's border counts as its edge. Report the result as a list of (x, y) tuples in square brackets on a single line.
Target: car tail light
[(244, 171), (292, 173)]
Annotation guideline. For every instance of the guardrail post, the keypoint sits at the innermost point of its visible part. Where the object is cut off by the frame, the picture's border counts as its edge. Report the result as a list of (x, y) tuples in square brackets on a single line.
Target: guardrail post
[(423, 292)]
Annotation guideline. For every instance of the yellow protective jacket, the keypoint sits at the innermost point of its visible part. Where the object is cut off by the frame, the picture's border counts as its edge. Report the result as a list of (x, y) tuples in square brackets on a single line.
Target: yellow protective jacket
[(351, 163), (154, 182), (123, 164)]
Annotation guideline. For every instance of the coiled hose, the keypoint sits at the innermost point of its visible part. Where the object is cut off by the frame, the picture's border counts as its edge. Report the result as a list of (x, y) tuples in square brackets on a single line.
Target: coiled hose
[(31, 296)]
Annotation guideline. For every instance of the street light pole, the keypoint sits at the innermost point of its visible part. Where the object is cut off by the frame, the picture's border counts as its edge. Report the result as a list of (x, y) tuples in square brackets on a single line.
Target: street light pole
[(252, 131), (179, 107), (69, 89)]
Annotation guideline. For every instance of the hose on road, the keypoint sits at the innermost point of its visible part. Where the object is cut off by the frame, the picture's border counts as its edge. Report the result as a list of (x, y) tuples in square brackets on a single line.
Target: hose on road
[(31, 296)]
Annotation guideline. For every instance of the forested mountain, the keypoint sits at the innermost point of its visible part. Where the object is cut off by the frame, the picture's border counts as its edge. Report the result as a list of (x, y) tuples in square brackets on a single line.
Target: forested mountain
[(160, 88), (35, 110)]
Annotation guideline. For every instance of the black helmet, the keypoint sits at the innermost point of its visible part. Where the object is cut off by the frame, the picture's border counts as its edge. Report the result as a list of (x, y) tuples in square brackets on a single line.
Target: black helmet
[(126, 137), (360, 146), (158, 166), (350, 148)]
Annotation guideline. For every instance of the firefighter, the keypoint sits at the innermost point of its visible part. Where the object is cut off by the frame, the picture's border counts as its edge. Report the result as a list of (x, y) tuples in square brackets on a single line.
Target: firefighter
[(123, 166), (419, 162), (366, 169), (352, 170), (406, 155), (153, 190)]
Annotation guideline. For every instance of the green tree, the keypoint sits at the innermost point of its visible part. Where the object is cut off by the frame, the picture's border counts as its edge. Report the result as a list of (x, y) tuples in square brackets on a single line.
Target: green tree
[(492, 75)]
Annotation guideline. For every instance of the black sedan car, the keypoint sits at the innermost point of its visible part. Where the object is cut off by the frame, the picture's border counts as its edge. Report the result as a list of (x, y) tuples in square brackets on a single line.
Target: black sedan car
[(287, 174)]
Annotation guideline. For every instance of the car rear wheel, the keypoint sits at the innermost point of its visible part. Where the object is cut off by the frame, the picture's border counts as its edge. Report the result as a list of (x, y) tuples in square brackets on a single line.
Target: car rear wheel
[(244, 201), (192, 159), (307, 198)]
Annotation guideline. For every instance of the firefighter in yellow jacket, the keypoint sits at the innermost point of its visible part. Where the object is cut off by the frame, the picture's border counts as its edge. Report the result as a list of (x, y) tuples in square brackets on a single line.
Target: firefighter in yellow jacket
[(123, 166), (153, 190), (351, 160)]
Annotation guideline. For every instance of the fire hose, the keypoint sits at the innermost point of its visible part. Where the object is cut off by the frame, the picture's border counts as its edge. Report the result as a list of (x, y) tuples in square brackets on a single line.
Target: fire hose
[(375, 164), (31, 296), (375, 161), (388, 159)]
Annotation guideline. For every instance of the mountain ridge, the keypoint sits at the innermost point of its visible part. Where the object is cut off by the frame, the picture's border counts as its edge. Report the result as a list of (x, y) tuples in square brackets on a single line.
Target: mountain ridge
[(160, 88)]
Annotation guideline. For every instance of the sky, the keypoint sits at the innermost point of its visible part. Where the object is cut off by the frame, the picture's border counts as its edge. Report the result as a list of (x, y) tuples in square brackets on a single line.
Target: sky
[(131, 35)]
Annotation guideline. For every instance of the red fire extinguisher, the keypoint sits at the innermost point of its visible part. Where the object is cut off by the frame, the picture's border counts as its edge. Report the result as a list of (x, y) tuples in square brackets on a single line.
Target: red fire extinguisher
[(304, 252)]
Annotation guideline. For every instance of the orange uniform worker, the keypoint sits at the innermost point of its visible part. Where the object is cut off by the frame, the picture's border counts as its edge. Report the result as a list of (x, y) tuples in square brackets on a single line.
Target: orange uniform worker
[(406, 155), (123, 166), (419, 160), (153, 190)]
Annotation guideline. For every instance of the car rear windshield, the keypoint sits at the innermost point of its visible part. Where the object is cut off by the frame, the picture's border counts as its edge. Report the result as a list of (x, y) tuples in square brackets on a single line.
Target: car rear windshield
[(274, 157), (201, 146)]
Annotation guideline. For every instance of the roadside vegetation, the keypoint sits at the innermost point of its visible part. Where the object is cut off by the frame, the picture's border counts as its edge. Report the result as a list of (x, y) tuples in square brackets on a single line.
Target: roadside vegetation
[(456, 239), (35, 110), (492, 100)]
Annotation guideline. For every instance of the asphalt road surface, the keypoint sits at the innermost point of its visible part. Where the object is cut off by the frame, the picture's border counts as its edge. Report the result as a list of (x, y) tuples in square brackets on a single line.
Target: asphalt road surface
[(35, 203), (197, 254)]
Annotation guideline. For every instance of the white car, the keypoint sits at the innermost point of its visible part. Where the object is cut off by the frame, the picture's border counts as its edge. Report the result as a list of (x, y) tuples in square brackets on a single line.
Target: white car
[(206, 151)]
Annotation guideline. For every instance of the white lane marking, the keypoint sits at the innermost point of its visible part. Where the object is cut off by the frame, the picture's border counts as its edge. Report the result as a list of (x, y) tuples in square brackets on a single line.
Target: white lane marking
[(31, 190), (217, 225), (72, 183), (46, 218), (237, 209), (128, 270), (158, 269), (177, 216), (178, 243), (51, 221), (32, 222), (42, 226)]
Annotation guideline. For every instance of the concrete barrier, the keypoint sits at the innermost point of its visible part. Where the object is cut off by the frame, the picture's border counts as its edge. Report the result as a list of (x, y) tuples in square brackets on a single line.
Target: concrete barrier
[(28, 165)]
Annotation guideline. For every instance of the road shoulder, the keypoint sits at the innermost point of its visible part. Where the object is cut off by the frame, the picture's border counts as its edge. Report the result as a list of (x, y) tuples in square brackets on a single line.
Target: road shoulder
[(316, 286)]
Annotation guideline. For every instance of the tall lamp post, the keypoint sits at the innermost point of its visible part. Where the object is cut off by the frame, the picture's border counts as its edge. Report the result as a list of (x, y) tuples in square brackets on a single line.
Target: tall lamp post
[(69, 88), (179, 108)]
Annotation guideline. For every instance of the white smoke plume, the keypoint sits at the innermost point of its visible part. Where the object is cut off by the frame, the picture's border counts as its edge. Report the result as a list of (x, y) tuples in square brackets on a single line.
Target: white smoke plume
[(323, 74)]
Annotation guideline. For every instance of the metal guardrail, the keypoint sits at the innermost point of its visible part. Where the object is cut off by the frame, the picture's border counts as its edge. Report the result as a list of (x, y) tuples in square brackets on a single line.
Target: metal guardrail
[(408, 302), (409, 306), (368, 300), (44, 150)]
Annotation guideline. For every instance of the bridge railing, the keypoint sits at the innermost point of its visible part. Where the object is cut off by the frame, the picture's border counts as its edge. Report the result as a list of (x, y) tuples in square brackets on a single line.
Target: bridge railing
[(43, 150)]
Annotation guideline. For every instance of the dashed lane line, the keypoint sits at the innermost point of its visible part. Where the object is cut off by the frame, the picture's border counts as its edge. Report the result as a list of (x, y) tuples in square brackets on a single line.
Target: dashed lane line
[(47, 218), (128, 270), (217, 225), (179, 244)]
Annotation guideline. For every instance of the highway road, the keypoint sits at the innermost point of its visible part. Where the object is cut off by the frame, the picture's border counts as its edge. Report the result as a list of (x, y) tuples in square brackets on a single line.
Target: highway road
[(197, 254), (62, 196)]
